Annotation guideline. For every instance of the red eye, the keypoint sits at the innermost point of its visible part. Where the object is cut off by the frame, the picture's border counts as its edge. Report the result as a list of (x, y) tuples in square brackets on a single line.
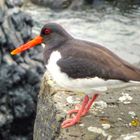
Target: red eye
[(47, 31)]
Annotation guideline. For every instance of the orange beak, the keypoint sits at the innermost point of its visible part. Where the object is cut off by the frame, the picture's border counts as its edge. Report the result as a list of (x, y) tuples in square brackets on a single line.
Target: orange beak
[(37, 40)]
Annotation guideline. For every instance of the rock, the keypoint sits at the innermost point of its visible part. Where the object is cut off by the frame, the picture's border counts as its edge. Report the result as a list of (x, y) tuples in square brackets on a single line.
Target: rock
[(13, 3), (32, 77), (109, 121), (8, 59), (19, 75), (1, 15), (79, 4), (56, 5), (22, 105)]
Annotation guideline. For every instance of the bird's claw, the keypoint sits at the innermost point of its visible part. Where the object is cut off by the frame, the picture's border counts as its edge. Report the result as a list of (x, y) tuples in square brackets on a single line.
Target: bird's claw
[(76, 110), (69, 122)]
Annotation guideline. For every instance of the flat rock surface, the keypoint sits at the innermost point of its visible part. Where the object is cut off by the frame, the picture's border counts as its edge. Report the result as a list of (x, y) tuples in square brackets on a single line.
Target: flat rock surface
[(115, 115)]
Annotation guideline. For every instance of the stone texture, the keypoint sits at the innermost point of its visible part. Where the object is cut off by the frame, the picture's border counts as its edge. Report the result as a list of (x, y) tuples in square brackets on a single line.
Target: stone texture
[(80, 4), (19, 75), (59, 4), (114, 116)]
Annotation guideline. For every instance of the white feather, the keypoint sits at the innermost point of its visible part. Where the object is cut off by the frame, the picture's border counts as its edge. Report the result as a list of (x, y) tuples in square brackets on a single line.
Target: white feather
[(43, 45), (135, 82)]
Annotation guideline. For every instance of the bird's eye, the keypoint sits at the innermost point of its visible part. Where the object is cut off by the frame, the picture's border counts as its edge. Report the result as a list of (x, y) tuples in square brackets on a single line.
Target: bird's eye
[(47, 31)]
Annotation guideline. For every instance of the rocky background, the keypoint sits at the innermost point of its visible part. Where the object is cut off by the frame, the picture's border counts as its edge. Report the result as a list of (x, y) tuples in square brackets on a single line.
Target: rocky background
[(19, 75), (78, 4)]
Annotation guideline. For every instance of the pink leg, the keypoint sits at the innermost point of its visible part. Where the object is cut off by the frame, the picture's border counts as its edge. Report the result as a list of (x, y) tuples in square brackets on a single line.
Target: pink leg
[(76, 119), (87, 106)]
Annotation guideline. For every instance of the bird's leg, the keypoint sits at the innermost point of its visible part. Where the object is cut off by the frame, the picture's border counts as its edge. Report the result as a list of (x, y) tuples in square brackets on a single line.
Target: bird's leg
[(89, 104), (70, 122), (87, 107)]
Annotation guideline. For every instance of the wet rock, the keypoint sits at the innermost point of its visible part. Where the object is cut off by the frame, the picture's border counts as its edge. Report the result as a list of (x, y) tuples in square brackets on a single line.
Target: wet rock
[(8, 59), (19, 75), (21, 103), (1, 15), (57, 4), (32, 77), (78, 4), (12, 3)]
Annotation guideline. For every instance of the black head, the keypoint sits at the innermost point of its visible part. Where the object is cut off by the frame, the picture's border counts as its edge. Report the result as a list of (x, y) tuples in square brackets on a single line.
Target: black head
[(53, 34)]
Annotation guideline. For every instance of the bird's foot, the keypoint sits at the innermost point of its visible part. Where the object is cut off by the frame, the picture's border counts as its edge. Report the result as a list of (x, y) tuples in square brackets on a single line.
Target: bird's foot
[(75, 111), (86, 109), (72, 121)]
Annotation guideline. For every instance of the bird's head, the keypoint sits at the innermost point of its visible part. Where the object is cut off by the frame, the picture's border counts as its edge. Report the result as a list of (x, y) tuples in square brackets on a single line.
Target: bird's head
[(51, 34)]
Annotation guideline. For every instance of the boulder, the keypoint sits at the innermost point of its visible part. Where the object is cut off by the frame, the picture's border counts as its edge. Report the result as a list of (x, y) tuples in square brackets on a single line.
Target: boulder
[(79, 4), (114, 115), (59, 4), (19, 75)]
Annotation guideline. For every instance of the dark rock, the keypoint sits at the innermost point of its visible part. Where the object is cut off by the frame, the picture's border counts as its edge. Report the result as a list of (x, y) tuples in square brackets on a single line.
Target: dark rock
[(21, 103), (1, 15), (2, 36), (28, 20), (12, 3), (78, 4), (32, 77), (18, 59), (23, 27), (16, 20), (19, 75), (18, 2), (125, 5), (57, 4), (0, 57), (60, 4), (8, 59)]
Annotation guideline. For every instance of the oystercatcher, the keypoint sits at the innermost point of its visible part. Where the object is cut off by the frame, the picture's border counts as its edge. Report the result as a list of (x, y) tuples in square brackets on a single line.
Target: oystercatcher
[(80, 65)]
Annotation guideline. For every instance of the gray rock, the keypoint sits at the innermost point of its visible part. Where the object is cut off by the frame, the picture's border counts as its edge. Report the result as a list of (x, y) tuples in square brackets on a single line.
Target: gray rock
[(57, 4), (12, 3), (79, 4), (8, 59), (108, 119), (19, 75), (2, 36), (22, 104), (1, 15), (32, 77)]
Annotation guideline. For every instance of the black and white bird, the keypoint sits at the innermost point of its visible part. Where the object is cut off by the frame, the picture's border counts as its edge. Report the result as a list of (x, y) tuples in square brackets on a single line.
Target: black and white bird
[(80, 65)]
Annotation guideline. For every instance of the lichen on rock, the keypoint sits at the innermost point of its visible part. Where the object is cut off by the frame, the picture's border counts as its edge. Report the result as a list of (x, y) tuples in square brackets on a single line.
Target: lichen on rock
[(111, 122)]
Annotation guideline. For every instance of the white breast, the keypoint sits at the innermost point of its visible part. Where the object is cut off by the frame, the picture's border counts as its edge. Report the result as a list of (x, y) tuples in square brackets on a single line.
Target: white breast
[(81, 85)]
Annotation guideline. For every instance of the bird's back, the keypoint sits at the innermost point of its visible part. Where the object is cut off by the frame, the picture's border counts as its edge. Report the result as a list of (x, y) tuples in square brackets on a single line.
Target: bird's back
[(105, 64)]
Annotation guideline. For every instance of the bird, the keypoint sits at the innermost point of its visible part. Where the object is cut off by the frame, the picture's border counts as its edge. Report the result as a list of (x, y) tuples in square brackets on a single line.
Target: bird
[(80, 66)]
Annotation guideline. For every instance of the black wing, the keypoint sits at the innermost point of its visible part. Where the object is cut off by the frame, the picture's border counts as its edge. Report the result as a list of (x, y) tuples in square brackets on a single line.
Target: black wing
[(89, 60), (85, 68)]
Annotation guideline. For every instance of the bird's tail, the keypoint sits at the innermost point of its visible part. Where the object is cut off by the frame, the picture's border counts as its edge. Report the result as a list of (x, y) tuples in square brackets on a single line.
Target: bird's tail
[(132, 72)]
